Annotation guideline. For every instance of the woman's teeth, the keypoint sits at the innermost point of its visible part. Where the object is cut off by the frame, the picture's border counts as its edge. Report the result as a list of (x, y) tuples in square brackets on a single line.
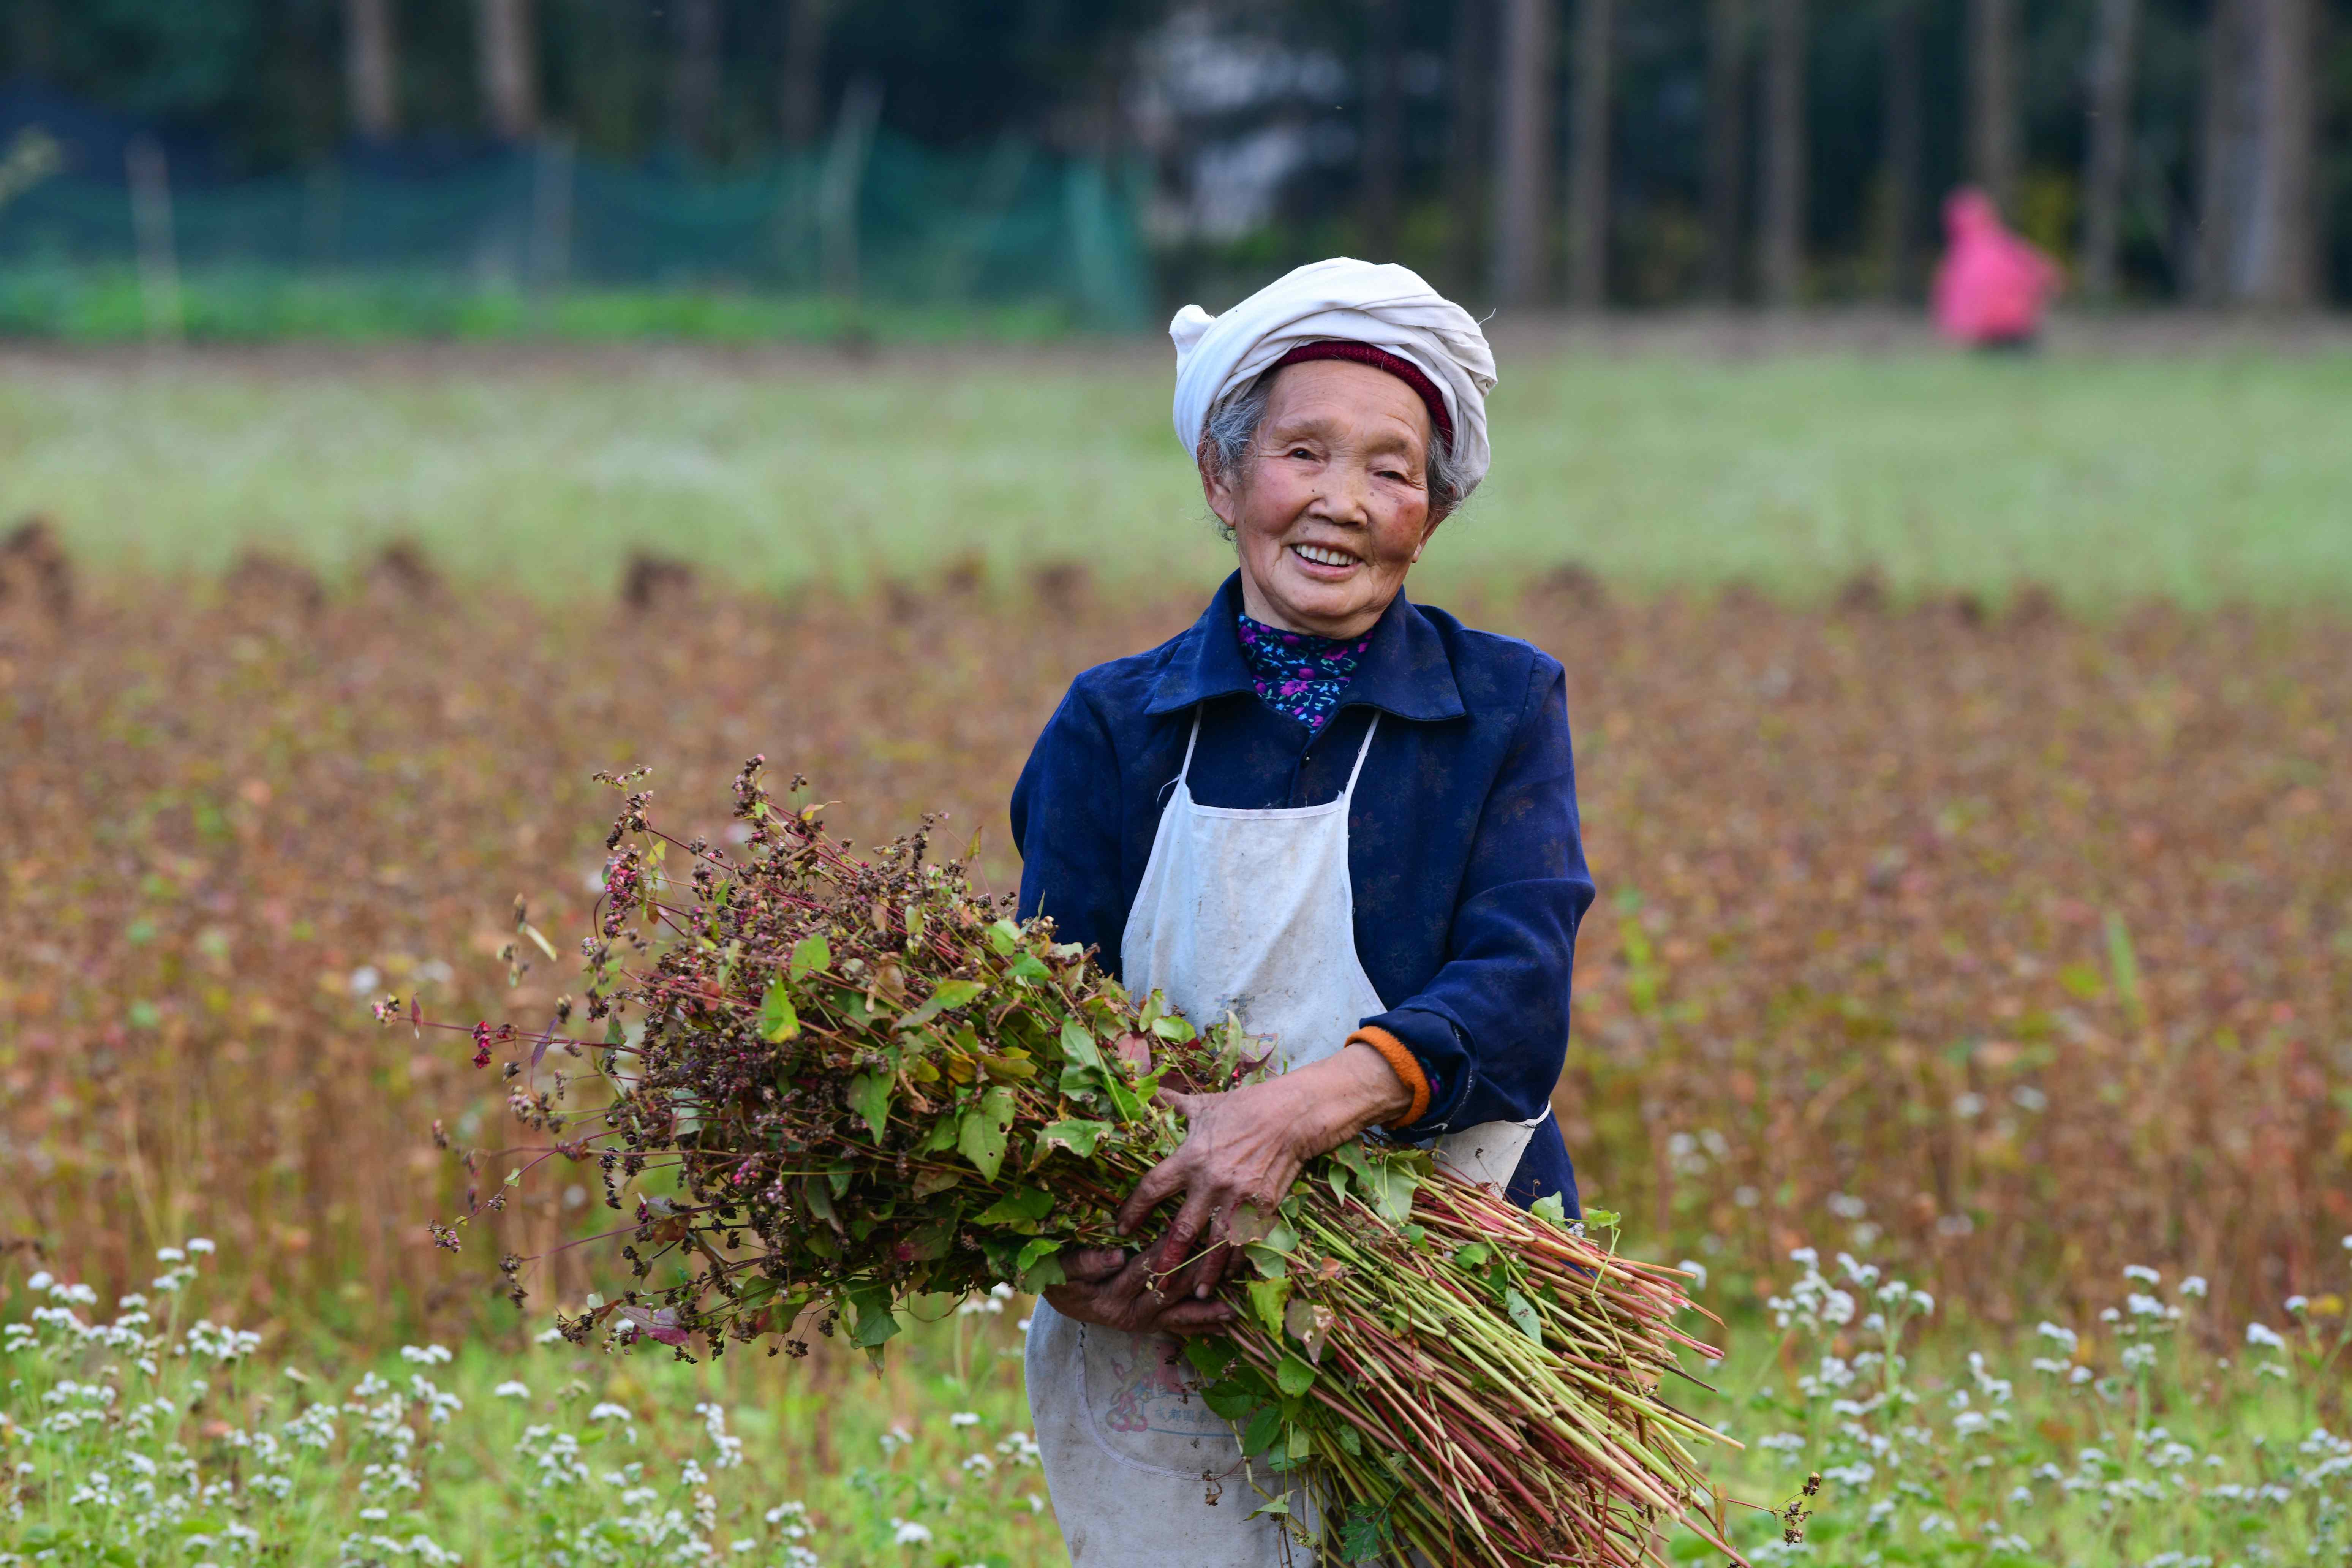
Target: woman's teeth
[(1322, 557)]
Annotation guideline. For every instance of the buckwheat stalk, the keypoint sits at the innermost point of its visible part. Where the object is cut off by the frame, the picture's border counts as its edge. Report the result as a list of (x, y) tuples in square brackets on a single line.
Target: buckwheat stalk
[(835, 1085)]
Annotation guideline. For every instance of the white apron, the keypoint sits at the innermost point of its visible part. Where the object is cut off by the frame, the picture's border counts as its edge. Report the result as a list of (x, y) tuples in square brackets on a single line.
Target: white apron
[(1250, 912)]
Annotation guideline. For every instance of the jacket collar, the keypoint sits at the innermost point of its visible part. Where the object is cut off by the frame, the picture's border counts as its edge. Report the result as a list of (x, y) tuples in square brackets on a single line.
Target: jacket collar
[(1405, 672)]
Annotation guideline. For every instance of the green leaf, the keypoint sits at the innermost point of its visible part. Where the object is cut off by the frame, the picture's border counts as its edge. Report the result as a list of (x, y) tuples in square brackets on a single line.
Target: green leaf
[(1360, 1532), (1229, 1400), (779, 1019), (1338, 1177), (1207, 1357), (869, 1096), (1271, 1263), (1267, 1296), (1259, 1435), (1038, 1265), (943, 1135), (1028, 969), (1272, 1506), (950, 994), (1602, 1219), (1293, 1376), (1079, 1044), (613, 1034), (929, 1182), (876, 1323), (1022, 1205), (1523, 1312), (810, 953), (1393, 1201), (1471, 1255), (980, 1139), (1172, 1028), (1004, 936), (1124, 1102), (1551, 1208), (1078, 1137), (928, 1243)]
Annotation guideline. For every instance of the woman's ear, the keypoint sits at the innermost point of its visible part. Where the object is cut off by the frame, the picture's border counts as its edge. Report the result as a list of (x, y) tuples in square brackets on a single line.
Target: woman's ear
[(1217, 487), (1428, 531)]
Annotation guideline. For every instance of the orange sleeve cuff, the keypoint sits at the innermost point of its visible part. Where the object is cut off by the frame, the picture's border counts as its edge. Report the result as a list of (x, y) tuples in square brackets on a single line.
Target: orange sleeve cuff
[(1402, 1063)]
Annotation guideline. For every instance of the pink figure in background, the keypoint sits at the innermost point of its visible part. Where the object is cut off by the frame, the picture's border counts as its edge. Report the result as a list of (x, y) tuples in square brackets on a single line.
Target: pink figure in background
[(1991, 285)]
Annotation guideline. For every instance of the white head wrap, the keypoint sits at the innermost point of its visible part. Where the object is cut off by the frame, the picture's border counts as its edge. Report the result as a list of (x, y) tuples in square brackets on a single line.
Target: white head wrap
[(1347, 300)]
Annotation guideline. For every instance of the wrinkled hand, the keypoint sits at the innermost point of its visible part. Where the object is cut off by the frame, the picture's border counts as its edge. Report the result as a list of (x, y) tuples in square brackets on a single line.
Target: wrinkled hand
[(1123, 1291), (1246, 1146)]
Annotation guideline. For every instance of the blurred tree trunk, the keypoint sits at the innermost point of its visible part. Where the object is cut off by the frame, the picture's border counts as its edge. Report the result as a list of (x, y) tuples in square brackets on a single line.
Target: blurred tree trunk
[(1466, 153), (801, 101), (371, 69), (507, 56), (2107, 160), (1993, 100), (694, 76), (1384, 129), (1588, 157), (1784, 247), (1523, 152), (2282, 230), (1899, 171), (32, 38), (2217, 116), (1726, 142)]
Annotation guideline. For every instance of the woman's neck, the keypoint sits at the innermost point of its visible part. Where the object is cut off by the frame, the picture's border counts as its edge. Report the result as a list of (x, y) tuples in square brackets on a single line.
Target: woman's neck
[(1258, 607)]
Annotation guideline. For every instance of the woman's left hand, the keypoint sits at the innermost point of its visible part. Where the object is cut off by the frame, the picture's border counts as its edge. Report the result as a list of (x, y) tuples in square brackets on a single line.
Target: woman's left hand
[(1246, 1146)]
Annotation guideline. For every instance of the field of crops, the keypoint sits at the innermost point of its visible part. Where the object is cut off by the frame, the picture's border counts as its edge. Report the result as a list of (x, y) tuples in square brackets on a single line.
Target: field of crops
[(2002, 946), (2025, 944)]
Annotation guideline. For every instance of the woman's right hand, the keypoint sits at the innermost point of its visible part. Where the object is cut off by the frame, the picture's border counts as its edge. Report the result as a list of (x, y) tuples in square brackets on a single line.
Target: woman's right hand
[(1124, 1290)]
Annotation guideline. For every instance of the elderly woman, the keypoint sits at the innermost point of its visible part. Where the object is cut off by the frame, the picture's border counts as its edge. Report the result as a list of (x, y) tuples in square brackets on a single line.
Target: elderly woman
[(1348, 818)]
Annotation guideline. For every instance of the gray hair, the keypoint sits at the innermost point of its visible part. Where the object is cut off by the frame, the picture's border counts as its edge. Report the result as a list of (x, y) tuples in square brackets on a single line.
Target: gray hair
[(1230, 433)]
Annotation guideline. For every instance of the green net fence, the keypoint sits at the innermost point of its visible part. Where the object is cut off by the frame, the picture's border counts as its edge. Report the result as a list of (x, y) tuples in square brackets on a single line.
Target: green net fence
[(880, 221)]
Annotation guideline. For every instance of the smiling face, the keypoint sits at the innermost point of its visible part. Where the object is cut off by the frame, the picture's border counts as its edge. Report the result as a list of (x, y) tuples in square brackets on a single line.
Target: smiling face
[(1330, 509)]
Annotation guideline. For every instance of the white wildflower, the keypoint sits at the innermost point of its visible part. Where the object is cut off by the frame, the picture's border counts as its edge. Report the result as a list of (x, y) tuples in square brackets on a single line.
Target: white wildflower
[(512, 1390), (906, 1532)]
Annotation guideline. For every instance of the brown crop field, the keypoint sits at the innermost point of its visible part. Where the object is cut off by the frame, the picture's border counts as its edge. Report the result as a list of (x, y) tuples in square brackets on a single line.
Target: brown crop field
[(2019, 945)]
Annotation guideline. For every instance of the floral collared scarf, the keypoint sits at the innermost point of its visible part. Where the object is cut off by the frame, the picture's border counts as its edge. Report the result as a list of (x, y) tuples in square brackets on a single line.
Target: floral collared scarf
[(1297, 674)]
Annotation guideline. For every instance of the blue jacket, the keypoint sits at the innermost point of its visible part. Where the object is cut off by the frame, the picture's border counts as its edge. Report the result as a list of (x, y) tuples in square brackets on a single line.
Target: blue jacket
[(1463, 842)]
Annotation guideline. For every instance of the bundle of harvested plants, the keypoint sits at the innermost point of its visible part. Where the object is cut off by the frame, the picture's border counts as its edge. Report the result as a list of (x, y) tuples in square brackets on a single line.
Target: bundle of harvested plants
[(836, 1088)]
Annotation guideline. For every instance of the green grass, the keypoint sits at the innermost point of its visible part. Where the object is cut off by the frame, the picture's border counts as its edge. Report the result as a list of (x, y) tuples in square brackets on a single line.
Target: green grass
[(2203, 476)]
